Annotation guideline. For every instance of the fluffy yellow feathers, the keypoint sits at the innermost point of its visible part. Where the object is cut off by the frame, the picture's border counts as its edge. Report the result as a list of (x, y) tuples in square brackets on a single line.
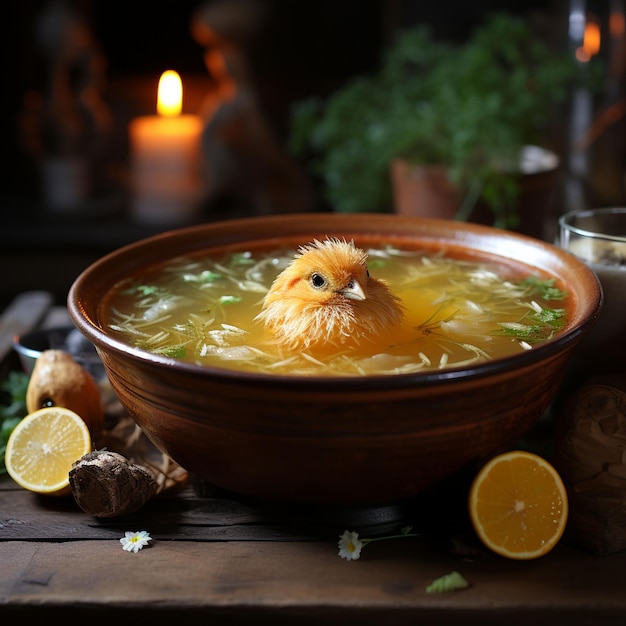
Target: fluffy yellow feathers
[(327, 296)]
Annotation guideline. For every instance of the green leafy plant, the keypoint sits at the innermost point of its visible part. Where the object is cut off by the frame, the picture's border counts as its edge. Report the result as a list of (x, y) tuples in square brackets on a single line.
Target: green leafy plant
[(470, 108), (12, 407)]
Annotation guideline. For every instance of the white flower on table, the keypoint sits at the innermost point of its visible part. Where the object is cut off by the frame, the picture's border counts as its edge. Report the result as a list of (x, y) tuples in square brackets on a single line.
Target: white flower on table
[(350, 545), (135, 541)]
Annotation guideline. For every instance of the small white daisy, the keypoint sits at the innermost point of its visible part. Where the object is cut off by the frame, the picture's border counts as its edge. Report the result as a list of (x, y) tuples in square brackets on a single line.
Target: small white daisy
[(350, 545), (135, 541)]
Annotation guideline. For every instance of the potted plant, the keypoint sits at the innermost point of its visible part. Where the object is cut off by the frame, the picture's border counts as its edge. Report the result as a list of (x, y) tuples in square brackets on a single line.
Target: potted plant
[(462, 113)]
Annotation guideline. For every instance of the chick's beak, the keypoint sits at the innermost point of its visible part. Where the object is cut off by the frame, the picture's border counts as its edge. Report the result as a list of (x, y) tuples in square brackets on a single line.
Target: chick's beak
[(353, 290)]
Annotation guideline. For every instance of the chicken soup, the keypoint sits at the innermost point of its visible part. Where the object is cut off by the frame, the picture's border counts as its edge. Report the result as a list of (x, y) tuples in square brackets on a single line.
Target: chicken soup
[(207, 309)]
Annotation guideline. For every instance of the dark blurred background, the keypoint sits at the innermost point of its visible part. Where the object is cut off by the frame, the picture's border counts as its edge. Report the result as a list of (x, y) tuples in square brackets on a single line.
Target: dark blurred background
[(298, 49), (294, 49)]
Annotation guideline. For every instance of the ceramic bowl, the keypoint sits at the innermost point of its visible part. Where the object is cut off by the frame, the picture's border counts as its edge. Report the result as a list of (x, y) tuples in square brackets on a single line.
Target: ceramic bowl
[(334, 440)]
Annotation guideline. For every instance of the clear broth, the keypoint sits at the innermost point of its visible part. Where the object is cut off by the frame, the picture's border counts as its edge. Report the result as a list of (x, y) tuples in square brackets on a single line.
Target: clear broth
[(201, 309)]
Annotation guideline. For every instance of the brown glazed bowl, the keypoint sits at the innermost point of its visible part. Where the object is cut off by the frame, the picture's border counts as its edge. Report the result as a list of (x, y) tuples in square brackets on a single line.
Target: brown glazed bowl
[(353, 441)]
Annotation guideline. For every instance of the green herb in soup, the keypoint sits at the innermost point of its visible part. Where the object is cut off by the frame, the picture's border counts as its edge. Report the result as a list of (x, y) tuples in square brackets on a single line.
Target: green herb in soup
[(202, 309)]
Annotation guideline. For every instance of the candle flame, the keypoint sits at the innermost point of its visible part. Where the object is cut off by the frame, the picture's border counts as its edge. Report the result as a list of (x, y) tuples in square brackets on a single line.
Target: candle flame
[(170, 94), (591, 42)]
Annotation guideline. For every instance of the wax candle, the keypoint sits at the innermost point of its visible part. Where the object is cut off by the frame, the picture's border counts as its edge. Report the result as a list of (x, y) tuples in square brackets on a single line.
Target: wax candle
[(165, 158)]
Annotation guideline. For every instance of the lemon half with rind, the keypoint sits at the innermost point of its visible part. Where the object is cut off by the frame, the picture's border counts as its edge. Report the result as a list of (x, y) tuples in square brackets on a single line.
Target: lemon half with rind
[(43, 447)]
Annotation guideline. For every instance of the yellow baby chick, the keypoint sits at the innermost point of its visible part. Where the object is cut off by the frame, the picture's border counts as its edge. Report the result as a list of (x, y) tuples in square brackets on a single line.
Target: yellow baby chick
[(327, 296)]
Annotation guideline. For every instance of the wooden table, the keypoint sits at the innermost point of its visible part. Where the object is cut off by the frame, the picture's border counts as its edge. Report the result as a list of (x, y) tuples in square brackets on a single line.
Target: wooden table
[(219, 559), (216, 561)]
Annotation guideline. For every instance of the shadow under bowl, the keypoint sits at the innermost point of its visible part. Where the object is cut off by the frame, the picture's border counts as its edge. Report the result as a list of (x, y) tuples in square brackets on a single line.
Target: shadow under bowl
[(346, 441)]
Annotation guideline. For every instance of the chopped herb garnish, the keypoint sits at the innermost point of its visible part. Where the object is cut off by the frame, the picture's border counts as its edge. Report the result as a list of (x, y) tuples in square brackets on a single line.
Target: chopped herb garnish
[(520, 331), (230, 299), (549, 316), (376, 264), (175, 352), (241, 258), (144, 290), (544, 288), (206, 276)]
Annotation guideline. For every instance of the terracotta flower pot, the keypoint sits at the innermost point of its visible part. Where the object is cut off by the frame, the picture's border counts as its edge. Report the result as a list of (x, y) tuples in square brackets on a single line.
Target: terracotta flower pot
[(425, 191)]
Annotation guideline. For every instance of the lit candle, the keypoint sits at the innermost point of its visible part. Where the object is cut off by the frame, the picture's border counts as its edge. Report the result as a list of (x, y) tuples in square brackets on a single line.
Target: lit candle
[(165, 159)]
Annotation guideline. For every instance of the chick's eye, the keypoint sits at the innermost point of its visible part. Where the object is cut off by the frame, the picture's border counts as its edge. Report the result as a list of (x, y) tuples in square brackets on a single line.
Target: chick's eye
[(317, 280)]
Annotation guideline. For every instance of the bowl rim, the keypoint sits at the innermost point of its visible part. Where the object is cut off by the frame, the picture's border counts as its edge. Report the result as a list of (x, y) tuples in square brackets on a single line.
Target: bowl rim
[(335, 223)]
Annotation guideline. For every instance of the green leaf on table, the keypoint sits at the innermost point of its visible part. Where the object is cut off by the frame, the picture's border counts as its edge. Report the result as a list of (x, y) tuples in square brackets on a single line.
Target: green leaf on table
[(12, 407)]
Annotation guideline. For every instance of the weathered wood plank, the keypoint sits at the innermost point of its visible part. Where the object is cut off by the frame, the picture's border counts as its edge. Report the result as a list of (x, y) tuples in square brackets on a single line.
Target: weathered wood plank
[(221, 559), (26, 516), (302, 583), (185, 515)]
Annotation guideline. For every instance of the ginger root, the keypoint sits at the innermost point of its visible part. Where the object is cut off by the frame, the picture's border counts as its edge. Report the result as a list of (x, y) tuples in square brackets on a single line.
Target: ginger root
[(107, 484), (122, 476)]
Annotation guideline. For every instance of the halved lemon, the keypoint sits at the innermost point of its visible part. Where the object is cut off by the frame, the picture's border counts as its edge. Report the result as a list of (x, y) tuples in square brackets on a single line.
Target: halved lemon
[(518, 505), (42, 448)]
